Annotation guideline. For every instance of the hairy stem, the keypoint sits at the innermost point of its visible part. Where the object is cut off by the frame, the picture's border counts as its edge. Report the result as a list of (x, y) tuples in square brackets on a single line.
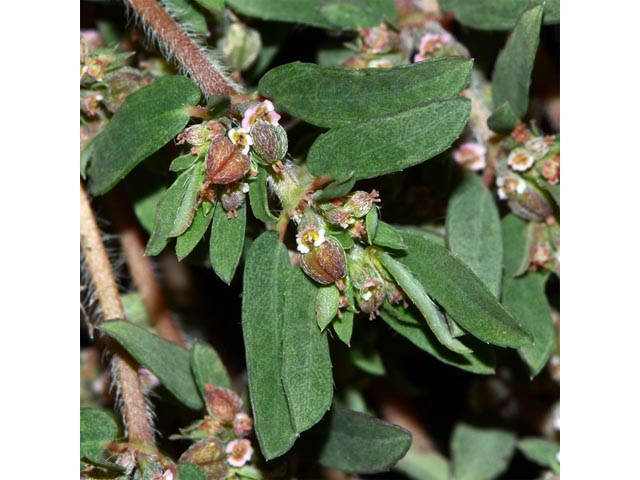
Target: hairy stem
[(140, 267), (134, 406), (211, 80)]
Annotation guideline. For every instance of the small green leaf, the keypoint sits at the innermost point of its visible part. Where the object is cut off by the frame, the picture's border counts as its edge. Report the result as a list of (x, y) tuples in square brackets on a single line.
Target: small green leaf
[(480, 453), (337, 188), (97, 429), (343, 326), (169, 362), (524, 297), (345, 14), (541, 451), (227, 242), (371, 224), (367, 360), (343, 237), (359, 443), (265, 273), (183, 162), (415, 291), (389, 143), (215, 6), (461, 293), (189, 18), (145, 122), (482, 361), (512, 73), (388, 237), (473, 231), (167, 209), (503, 119), (187, 205), (259, 198), (190, 471), (424, 466), (186, 242), (497, 14), (306, 364), (327, 303), (334, 96), (208, 368)]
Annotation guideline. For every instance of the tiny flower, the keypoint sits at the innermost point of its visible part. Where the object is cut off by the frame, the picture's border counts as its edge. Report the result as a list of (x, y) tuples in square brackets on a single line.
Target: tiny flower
[(471, 156), (309, 238), (241, 138), (551, 170), (166, 475), (521, 134), (239, 451), (261, 111), (510, 187), (242, 424), (537, 146), (429, 43), (520, 160)]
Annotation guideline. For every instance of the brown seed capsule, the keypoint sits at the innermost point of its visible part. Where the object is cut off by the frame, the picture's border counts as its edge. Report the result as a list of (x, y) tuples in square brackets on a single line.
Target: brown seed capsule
[(222, 403), (325, 263), (225, 163), (530, 205), (209, 455), (269, 141)]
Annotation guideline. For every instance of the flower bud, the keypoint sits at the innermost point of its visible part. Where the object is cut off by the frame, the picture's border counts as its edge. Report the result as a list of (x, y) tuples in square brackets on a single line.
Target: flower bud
[(222, 403), (225, 163), (344, 211), (270, 141), (242, 424), (201, 133), (377, 39), (551, 170), (234, 197), (367, 281)]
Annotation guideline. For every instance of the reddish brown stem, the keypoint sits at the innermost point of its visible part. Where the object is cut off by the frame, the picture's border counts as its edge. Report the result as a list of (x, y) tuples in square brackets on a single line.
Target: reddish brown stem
[(134, 407), (133, 245), (211, 81)]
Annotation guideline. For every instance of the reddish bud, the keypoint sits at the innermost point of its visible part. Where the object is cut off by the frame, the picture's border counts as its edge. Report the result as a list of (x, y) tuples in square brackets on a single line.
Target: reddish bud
[(222, 403), (225, 163), (209, 455)]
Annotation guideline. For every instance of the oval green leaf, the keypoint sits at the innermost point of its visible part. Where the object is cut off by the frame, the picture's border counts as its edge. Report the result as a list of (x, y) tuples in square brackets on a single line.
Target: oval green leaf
[(498, 14), (186, 242), (208, 368), (390, 143), (227, 242), (333, 96), (169, 362), (97, 429), (480, 453), (145, 122)]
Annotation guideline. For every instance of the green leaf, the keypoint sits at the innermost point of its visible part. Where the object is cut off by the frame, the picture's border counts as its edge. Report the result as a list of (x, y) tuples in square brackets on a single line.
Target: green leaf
[(503, 119), (169, 362), (412, 286), (371, 224), (187, 205), (259, 198), (227, 242), (327, 303), (497, 14), (524, 297), (482, 361), (189, 18), (389, 143), (265, 273), (183, 162), (368, 361), (208, 368), (480, 453), (343, 326), (461, 293), (306, 364), (145, 122), (512, 73), (145, 192), (190, 471), (334, 96), (541, 451), (336, 189), (473, 231), (346, 14), (97, 429), (215, 6), (343, 237), (177, 198), (424, 466), (388, 237), (359, 443), (186, 242)]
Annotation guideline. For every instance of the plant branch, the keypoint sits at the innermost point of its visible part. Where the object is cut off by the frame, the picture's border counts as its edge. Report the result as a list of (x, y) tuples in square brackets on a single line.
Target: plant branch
[(134, 406), (201, 68), (140, 267)]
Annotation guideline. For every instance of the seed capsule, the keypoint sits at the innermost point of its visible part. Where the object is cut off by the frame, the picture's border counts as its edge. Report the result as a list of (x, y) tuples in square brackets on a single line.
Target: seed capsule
[(269, 141), (225, 163), (325, 263)]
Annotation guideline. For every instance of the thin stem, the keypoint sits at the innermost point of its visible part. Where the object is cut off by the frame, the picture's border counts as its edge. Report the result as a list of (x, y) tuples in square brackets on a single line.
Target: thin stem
[(140, 267), (186, 51), (134, 406)]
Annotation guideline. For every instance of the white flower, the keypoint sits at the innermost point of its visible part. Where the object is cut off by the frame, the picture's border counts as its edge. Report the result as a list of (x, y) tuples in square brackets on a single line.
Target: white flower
[(537, 146), (239, 451), (308, 238), (471, 156), (520, 160), (263, 110), (510, 186), (241, 138)]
